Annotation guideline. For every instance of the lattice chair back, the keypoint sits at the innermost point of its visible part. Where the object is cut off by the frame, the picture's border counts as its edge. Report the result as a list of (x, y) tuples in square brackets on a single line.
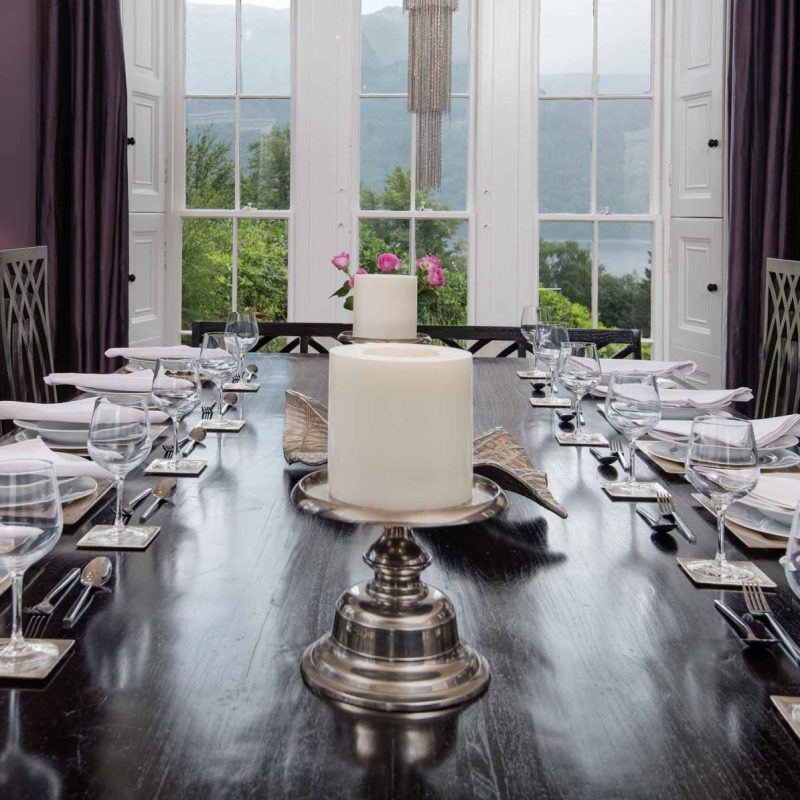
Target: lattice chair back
[(27, 350), (779, 377)]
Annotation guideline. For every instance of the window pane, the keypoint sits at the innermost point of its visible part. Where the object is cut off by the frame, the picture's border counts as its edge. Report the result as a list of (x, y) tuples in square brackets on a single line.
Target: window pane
[(384, 46), (210, 47), (385, 154), (566, 46), (383, 236), (623, 46), (565, 156), (455, 147), (206, 279), (263, 267), (625, 257), (448, 240), (266, 46), (623, 156), (460, 49), (209, 153), (265, 153), (565, 271)]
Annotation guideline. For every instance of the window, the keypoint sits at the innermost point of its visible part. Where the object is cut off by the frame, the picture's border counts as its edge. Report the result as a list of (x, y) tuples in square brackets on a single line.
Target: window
[(237, 111), (392, 216), (597, 201)]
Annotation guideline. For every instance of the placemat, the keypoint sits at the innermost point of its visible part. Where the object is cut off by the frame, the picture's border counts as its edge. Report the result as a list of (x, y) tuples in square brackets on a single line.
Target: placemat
[(534, 375), (75, 512), (664, 464), (746, 536), (550, 402)]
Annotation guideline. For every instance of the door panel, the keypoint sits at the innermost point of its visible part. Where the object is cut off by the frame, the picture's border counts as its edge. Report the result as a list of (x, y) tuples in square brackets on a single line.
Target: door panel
[(146, 291)]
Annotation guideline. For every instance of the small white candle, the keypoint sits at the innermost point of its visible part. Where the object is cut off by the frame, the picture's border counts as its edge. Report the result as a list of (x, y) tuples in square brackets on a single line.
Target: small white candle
[(400, 426), (385, 307)]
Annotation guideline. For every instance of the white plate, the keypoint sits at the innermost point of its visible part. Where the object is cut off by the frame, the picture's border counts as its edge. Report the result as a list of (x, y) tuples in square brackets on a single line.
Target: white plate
[(756, 520), (767, 459), (77, 489), (783, 443), (67, 433), (24, 436), (111, 392)]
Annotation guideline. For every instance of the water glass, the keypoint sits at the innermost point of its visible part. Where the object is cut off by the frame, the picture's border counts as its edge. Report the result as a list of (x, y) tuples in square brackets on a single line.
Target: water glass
[(244, 326), (219, 360), (548, 338), (791, 563), (633, 407), (722, 464), (176, 391), (30, 525), (578, 370), (119, 440)]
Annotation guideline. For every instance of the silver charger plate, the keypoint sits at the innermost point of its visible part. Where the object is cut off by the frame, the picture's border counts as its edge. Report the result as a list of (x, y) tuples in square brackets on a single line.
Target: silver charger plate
[(768, 458), (756, 520)]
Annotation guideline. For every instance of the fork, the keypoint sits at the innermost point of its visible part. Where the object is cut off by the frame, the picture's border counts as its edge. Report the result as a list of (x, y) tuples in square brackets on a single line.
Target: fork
[(41, 612), (36, 625), (758, 605), (207, 412), (667, 509), (618, 449)]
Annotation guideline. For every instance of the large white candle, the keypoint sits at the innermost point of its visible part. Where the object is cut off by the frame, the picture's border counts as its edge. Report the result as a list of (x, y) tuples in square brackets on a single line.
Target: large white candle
[(385, 307), (400, 426)]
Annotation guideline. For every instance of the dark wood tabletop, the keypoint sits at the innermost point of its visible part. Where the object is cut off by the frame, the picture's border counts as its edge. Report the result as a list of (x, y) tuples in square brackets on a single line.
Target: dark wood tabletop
[(612, 675)]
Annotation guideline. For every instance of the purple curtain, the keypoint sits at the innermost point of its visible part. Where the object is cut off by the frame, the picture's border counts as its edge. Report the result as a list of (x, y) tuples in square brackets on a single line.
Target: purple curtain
[(83, 177), (764, 167)]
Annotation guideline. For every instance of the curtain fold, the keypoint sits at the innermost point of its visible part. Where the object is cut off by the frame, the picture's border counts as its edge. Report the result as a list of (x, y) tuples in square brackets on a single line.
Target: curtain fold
[(82, 184), (763, 167)]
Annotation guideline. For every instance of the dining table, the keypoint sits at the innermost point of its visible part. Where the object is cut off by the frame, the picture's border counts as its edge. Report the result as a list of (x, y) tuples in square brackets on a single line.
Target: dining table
[(612, 674)]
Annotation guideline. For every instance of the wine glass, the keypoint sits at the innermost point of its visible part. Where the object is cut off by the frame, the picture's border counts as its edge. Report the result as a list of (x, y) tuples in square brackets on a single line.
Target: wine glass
[(791, 562), (633, 407), (578, 370), (119, 440), (176, 391), (219, 360), (722, 464), (244, 326), (30, 525), (548, 339)]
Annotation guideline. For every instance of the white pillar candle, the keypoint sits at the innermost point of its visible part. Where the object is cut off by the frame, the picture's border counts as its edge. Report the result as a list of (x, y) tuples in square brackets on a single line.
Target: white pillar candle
[(385, 307), (400, 426)]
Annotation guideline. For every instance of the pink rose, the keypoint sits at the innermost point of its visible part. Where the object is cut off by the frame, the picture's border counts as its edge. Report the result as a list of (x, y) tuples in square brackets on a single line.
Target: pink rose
[(436, 276), (342, 261), (352, 280), (424, 263), (389, 262)]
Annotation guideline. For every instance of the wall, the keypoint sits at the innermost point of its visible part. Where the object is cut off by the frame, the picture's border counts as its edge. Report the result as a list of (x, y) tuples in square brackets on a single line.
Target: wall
[(18, 119)]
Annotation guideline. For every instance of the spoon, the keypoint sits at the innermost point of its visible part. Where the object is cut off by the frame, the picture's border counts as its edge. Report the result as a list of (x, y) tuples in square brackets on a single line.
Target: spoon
[(741, 624), (94, 575), (196, 435), (252, 370), (162, 491), (230, 399), (658, 527), (602, 457)]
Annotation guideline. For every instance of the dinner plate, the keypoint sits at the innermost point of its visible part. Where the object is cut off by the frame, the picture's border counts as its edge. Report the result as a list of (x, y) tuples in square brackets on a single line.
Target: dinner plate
[(756, 520), (767, 459), (111, 392), (77, 489), (24, 436), (782, 443), (66, 433)]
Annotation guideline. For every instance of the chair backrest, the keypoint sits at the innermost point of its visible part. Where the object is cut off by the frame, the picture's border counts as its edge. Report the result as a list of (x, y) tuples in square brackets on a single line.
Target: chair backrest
[(779, 374), (25, 337), (305, 336)]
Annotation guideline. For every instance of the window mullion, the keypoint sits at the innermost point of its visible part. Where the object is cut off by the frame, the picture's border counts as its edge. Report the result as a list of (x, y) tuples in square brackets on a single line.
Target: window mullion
[(237, 188), (235, 264), (595, 254)]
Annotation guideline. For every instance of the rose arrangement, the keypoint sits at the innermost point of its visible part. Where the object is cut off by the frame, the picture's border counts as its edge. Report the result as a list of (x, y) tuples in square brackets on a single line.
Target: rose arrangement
[(430, 274)]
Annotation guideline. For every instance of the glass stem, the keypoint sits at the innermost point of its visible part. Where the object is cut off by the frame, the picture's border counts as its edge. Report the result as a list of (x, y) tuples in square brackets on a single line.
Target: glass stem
[(632, 459), (578, 415), (119, 481), (16, 610), (221, 417), (553, 389), (176, 427), (241, 368), (720, 559)]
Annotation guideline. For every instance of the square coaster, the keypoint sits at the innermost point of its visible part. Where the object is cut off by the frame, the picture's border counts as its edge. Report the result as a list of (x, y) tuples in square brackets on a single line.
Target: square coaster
[(588, 439), (186, 467), (226, 426), (5, 583), (239, 386), (550, 402), (534, 375), (789, 708), (63, 646), (647, 490), (716, 583), (98, 542)]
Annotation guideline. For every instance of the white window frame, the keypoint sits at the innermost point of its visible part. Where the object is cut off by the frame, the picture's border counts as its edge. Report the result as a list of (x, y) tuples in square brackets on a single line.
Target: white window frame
[(594, 216)]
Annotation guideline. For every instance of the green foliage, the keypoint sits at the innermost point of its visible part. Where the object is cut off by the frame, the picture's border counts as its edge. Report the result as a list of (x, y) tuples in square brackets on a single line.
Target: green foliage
[(209, 172), (266, 183), (263, 267)]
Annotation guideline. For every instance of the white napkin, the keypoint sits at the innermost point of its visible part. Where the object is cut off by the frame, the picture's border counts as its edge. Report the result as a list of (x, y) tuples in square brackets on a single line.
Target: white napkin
[(659, 368), (766, 430), (73, 411), (781, 493), (152, 353), (65, 467), (703, 398), (140, 382)]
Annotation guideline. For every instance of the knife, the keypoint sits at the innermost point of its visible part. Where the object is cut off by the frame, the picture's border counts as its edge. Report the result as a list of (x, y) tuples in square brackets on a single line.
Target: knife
[(129, 508), (681, 526)]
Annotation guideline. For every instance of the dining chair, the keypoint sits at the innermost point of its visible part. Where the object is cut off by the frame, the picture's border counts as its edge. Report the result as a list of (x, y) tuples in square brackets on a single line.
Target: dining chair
[(25, 337), (779, 369)]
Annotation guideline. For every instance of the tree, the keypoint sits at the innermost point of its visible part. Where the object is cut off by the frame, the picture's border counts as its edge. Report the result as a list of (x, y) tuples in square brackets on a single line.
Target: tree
[(209, 171), (266, 184)]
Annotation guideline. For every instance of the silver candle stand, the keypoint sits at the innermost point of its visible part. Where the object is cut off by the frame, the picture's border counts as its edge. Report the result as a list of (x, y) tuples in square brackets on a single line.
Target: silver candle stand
[(395, 644)]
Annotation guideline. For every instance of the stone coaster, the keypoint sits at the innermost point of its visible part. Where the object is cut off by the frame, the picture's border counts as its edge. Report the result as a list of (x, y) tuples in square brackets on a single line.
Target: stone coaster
[(94, 539), (186, 467), (75, 512), (62, 647), (588, 439), (534, 375), (550, 402), (5, 583), (647, 490), (241, 387), (717, 583), (789, 708), (746, 536), (226, 426)]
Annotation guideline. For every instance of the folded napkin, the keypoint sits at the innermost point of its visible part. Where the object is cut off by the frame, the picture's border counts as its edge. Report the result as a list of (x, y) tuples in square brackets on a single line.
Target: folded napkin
[(137, 382), (152, 353), (65, 467), (780, 493), (766, 430), (74, 411), (695, 398), (658, 368)]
